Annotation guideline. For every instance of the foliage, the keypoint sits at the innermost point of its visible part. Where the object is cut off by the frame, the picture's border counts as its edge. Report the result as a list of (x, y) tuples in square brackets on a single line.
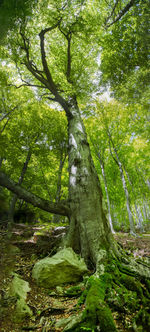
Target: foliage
[(11, 12), (128, 128), (124, 58)]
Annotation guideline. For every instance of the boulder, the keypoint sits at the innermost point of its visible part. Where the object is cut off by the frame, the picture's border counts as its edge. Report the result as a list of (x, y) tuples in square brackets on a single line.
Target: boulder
[(19, 289), (62, 268)]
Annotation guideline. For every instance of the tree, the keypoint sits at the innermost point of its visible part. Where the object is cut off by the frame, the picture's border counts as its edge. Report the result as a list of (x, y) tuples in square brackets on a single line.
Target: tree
[(60, 67), (46, 140), (114, 135), (99, 145), (84, 206)]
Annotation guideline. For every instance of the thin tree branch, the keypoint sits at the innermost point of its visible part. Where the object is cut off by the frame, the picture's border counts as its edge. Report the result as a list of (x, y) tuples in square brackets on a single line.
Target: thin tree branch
[(122, 13), (46, 186), (5, 116), (112, 12), (5, 125)]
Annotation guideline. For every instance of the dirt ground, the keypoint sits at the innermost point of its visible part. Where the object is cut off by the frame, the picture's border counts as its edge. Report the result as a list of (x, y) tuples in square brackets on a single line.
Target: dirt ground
[(47, 308)]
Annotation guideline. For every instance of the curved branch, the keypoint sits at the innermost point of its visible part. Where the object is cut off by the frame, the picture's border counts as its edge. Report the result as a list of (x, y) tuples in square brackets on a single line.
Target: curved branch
[(60, 208), (44, 76), (53, 87)]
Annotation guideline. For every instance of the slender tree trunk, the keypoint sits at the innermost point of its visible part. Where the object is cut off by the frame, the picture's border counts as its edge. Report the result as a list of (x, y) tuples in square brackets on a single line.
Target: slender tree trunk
[(58, 190), (15, 197), (139, 218), (89, 230), (107, 195), (1, 160), (119, 164), (132, 228)]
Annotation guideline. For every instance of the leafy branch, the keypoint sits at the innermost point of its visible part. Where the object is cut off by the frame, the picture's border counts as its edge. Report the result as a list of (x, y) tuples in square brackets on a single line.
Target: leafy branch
[(121, 13)]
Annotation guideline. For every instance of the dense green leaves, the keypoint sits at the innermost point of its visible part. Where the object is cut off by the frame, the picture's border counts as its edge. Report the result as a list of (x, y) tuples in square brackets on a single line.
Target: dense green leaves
[(125, 56), (11, 12), (115, 126)]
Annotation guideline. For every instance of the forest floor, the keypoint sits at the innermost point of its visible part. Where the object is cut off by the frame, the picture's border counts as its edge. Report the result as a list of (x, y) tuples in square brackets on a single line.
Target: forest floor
[(35, 242)]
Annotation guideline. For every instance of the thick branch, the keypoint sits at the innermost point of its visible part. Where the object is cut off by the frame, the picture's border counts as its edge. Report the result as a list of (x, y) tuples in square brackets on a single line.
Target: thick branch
[(53, 87), (122, 12), (68, 37), (47, 81), (69, 58), (30, 65), (56, 208)]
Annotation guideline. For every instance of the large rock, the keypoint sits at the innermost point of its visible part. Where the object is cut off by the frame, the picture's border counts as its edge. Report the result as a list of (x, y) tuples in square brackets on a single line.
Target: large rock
[(62, 268), (19, 289)]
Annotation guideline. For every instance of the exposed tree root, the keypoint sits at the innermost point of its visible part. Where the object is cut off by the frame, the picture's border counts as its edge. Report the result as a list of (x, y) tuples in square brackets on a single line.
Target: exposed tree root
[(120, 286)]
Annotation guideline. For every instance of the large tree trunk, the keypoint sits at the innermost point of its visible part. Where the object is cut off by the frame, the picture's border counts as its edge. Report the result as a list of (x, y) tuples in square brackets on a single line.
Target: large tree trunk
[(89, 229)]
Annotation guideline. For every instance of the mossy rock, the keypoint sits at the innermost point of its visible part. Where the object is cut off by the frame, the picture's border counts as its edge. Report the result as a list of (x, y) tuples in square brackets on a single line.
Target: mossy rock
[(62, 268), (19, 289)]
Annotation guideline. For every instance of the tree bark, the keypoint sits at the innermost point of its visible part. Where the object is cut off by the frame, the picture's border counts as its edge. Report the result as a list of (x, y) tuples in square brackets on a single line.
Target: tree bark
[(107, 195), (14, 198), (139, 218), (132, 228), (58, 189), (89, 229), (119, 164)]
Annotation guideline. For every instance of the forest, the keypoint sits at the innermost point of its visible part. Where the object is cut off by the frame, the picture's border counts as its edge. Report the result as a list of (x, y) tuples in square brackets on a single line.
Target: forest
[(74, 165)]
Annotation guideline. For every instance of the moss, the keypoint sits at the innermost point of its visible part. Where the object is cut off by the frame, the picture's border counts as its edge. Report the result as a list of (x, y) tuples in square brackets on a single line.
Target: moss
[(74, 291), (97, 312), (131, 284), (106, 320), (142, 320), (122, 300), (147, 283)]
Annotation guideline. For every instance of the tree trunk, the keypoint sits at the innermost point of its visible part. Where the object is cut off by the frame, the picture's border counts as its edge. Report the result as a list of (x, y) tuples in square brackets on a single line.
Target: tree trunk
[(14, 198), (132, 228), (58, 189), (119, 164), (139, 218), (107, 195), (1, 160), (89, 229)]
